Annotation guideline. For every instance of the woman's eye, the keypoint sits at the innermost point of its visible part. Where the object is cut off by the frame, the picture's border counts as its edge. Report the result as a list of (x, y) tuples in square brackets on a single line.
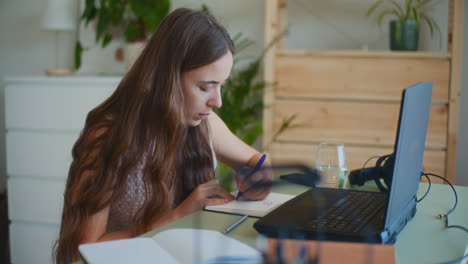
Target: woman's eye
[(203, 89)]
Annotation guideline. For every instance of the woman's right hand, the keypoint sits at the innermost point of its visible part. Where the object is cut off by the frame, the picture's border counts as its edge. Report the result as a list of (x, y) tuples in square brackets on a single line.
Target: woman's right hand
[(208, 193), (254, 187)]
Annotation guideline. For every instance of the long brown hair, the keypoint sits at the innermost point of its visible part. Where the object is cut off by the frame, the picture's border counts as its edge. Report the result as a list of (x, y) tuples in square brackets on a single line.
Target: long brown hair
[(143, 120)]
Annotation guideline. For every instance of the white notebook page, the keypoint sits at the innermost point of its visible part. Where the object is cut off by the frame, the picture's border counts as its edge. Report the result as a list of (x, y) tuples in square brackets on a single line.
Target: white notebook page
[(253, 208)]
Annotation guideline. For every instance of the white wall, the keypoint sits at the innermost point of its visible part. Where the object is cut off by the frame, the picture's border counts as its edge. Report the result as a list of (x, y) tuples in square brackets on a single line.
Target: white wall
[(25, 49)]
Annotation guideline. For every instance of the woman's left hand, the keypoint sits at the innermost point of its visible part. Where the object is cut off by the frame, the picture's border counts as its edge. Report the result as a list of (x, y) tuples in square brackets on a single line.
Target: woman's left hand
[(208, 193)]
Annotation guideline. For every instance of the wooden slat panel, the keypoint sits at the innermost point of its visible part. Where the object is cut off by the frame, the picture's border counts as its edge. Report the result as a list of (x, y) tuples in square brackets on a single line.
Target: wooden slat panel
[(352, 122), (36, 154), (281, 153), (360, 78), (366, 54), (456, 47), (282, 20), (271, 31)]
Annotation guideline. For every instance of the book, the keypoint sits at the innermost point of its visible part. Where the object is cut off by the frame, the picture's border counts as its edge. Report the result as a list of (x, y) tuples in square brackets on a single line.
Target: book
[(172, 246), (252, 208)]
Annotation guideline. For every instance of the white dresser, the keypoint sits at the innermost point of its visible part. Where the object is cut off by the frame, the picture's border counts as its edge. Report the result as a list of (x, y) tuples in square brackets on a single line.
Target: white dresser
[(43, 118)]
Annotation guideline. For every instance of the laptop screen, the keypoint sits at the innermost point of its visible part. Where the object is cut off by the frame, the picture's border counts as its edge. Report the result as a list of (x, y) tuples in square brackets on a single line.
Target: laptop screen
[(409, 149)]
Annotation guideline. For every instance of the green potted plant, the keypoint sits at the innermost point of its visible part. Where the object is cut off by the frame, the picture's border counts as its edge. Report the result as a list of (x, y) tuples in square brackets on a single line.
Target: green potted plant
[(243, 103), (132, 20), (404, 28)]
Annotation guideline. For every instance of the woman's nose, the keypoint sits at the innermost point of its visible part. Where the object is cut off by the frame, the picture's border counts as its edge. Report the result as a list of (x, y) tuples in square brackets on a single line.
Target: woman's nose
[(215, 100)]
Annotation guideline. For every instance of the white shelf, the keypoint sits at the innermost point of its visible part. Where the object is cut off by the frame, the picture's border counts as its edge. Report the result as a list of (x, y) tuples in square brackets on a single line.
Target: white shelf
[(44, 116)]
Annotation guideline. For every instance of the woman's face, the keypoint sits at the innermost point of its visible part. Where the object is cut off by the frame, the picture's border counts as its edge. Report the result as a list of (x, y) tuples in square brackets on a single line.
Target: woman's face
[(202, 89)]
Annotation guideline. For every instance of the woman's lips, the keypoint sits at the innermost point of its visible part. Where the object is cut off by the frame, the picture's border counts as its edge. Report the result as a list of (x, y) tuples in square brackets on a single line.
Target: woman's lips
[(203, 116)]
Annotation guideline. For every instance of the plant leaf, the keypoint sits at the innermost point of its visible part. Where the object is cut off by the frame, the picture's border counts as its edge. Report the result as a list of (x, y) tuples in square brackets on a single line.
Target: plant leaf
[(226, 176), (116, 11), (161, 10), (415, 14), (89, 12), (243, 102), (273, 42), (381, 16), (102, 21), (408, 9), (433, 25), (149, 14), (252, 134), (242, 43), (107, 39), (132, 32), (78, 54), (373, 7), (285, 124), (243, 95), (398, 9), (439, 32), (206, 9), (422, 3)]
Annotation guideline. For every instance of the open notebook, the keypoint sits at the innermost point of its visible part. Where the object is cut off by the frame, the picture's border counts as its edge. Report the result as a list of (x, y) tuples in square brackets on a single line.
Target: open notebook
[(171, 247), (252, 208)]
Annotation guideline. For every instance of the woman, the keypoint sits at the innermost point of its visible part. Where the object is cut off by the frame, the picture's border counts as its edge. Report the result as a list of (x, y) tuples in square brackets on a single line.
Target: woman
[(147, 154)]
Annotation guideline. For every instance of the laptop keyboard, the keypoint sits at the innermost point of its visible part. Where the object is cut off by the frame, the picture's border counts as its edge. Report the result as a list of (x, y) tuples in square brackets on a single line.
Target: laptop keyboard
[(350, 213)]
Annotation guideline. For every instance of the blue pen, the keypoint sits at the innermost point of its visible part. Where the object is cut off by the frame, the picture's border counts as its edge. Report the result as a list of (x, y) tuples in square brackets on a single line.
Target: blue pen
[(257, 167)]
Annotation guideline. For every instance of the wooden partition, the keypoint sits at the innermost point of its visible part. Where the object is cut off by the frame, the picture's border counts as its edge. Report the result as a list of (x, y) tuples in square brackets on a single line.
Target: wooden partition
[(354, 97)]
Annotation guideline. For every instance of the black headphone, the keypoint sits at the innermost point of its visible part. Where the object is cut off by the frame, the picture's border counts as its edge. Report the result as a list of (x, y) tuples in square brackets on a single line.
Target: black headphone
[(383, 170)]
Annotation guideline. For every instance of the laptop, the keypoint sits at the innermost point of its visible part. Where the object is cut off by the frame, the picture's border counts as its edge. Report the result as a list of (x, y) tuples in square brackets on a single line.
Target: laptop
[(363, 216)]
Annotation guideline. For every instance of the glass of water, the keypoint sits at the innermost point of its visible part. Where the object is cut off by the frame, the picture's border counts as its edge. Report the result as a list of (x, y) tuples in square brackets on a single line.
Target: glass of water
[(330, 162)]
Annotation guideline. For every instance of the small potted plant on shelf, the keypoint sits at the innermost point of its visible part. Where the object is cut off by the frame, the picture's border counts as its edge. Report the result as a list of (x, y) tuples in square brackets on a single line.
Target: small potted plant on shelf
[(132, 20), (404, 28)]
